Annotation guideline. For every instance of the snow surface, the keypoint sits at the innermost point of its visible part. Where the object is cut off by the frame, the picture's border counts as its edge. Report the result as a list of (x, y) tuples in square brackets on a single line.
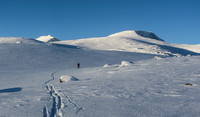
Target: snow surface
[(110, 83)]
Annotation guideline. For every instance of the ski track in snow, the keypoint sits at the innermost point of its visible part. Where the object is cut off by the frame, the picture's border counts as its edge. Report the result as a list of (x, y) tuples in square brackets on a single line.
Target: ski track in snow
[(77, 107), (52, 76), (45, 112), (57, 104)]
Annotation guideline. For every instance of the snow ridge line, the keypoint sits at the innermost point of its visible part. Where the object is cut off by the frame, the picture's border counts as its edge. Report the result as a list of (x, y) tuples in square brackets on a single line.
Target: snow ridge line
[(57, 104)]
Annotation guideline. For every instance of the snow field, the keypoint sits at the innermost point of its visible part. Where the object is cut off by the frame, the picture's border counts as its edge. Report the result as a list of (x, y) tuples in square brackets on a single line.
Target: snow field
[(113, 80), (144, 88)]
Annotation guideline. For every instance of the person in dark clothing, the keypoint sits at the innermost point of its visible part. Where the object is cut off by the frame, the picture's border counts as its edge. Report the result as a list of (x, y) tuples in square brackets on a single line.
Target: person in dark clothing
[(78, 65)]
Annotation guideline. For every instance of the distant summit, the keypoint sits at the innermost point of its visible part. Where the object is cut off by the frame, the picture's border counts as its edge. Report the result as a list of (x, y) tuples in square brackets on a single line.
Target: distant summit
[(47, 39), (148, 35), (136, 34)]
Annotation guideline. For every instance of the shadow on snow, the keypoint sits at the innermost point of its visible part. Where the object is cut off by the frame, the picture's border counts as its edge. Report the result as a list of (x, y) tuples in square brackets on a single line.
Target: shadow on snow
[(10, 90)]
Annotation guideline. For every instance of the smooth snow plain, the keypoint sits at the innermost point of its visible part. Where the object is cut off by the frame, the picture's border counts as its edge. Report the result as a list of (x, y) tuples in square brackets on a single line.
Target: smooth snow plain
[(108, 83)]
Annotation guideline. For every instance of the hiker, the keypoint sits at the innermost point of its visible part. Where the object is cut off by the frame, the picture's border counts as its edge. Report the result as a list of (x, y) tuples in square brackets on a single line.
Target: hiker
[(78, 65)]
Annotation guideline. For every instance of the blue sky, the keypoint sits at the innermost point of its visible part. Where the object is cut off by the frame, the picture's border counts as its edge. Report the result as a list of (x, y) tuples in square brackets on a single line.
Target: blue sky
[(175, 21)]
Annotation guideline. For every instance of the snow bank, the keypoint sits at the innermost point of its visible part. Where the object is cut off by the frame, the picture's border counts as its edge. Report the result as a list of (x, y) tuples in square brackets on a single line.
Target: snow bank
[(68, 78), (125, 63)]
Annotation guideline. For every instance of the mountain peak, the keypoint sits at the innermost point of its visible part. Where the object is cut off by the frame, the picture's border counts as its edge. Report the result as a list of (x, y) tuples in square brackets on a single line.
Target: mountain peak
[(128, 33), (47, 39), (148, 35), (136, 34)]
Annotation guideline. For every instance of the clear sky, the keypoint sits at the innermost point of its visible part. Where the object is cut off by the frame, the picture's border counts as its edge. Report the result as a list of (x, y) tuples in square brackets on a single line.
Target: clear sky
[(175, 21)]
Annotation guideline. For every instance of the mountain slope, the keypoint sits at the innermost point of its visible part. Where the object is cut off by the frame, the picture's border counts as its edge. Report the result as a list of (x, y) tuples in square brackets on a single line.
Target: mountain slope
[(136, 35), (33, 54), (132, 41), (18, 40)]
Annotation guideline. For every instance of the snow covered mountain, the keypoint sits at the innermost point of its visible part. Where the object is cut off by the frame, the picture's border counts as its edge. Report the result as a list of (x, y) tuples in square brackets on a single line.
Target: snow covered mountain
[(136, 35), (47, 39), (127, 74), (135, 41)]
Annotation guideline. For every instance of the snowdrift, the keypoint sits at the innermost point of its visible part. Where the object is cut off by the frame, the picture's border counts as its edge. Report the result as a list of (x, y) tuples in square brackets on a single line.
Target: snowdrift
[(68, 78), (125, 63)]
